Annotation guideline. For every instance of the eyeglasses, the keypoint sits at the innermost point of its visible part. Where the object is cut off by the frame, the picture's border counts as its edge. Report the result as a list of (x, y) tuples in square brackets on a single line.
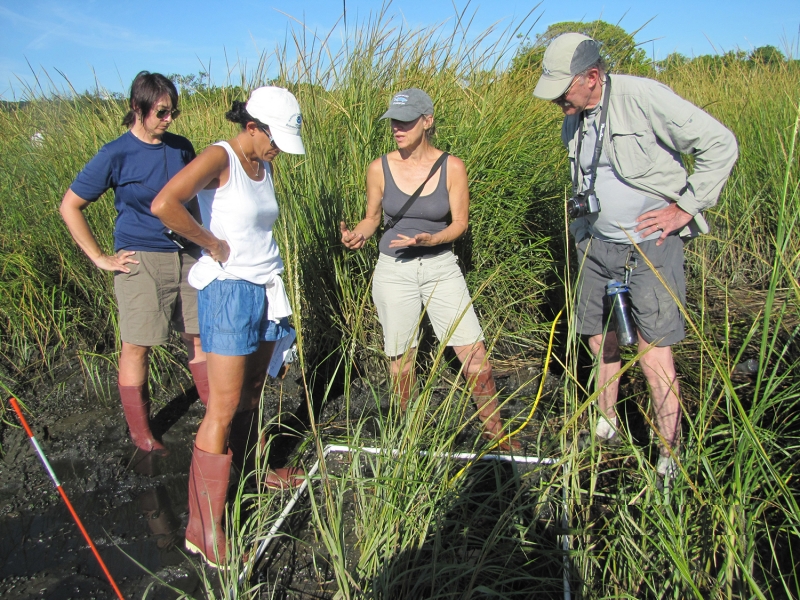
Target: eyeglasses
[(269, 135), (172, 112), (563, 97)]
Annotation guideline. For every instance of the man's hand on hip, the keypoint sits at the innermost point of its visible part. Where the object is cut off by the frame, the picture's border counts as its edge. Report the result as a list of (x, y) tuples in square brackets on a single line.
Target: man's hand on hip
[(669, 219)]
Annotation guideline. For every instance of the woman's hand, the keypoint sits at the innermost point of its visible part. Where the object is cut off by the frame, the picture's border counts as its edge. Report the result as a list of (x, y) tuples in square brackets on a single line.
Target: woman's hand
[(403, 241), (351, 239), (116, 262), (71, 209), (219, 251)]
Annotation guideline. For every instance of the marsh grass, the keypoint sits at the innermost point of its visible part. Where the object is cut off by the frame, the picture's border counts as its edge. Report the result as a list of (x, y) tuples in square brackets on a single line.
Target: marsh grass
[(406, 525)]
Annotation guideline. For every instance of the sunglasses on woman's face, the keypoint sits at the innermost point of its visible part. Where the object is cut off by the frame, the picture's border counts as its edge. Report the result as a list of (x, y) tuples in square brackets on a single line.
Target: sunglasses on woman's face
[(269, 135), (163, 112)]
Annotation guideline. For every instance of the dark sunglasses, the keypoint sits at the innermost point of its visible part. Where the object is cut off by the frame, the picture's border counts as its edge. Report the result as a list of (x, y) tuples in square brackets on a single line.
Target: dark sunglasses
[(269, 135), (173, 112)]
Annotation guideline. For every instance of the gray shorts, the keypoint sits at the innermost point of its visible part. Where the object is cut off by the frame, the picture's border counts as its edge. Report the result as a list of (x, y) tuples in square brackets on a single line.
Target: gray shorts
[(154, 296), (655, 311), (401, 288)]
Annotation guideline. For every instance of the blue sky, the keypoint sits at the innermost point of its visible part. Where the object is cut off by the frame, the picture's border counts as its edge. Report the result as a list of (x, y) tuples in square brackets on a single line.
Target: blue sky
[(108, 42)]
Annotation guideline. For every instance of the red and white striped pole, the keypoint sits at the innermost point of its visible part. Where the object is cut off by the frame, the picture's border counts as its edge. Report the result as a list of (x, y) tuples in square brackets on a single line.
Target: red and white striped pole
[(15, 406)]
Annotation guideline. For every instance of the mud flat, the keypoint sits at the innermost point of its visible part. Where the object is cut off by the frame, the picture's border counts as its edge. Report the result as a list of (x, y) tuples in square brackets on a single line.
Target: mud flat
[(135, 506)]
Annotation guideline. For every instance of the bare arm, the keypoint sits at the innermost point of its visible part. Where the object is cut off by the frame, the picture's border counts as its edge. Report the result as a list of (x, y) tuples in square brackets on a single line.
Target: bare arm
[(356, 238), (202, 173), (458, 190), (71, 209)]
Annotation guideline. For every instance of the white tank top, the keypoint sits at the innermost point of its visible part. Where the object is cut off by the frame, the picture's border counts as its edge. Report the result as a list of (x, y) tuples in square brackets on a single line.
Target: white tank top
[(242, 212)]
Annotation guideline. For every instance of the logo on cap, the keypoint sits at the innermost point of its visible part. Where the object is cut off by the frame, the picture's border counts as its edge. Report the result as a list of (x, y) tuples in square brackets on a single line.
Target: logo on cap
[(400, 99), (546, 71), (295, 121)]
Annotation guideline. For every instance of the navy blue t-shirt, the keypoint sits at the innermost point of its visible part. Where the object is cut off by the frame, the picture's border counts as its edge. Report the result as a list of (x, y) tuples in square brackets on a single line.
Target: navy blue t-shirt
[(136, 171)]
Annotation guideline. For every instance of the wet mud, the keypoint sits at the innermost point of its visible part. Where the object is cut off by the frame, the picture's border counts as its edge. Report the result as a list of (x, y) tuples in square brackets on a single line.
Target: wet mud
[(134, 506)]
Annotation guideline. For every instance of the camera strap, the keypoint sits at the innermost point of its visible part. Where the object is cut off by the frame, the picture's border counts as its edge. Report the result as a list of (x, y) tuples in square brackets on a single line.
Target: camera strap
[(598, 144), (399, 214)]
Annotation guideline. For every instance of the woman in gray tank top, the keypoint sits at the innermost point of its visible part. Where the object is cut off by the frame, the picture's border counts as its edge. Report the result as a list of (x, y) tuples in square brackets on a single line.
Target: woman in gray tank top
[(416, 267)]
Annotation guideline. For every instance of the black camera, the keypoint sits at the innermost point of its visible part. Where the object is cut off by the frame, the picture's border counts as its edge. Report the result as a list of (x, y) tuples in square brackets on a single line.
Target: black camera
[(583, 204), (180, 241)]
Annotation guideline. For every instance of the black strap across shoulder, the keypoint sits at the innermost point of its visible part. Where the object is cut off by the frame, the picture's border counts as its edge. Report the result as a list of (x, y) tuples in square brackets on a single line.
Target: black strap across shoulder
[(399, 215), (598, 145)]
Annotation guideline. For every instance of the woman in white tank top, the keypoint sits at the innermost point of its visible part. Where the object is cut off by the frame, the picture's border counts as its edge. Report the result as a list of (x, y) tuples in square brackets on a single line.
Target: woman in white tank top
[(242, 304)]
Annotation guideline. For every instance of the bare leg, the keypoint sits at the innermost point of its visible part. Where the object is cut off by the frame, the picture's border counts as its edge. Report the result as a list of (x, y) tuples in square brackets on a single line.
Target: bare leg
[(235, 384), (402, 374), (610, 364), (255, 374), (659, 369), (226, 376), (478, 372), (133, 364)]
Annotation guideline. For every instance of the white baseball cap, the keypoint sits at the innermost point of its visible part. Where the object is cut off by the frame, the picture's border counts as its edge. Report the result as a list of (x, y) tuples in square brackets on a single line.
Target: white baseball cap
[(277, 108), (566, 56)]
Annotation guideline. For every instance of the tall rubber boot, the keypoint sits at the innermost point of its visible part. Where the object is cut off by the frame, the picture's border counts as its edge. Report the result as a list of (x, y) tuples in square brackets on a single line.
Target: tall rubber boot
[(245, 441), (136, 406), (200, 375), (208, 488), (403, 384), (484, 391)]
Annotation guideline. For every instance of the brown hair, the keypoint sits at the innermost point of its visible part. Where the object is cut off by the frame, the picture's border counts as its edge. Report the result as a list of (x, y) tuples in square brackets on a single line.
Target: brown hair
[(146, 89)]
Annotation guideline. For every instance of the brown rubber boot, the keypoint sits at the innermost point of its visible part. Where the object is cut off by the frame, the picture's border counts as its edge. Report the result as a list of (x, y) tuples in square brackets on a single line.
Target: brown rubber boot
[(245, 440), (402, 385), (136, 406), (208, 489), (200, 375), (484, 391)]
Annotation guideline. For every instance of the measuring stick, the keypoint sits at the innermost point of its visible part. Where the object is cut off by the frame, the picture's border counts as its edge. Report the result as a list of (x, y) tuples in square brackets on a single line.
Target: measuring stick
[(15, 406)]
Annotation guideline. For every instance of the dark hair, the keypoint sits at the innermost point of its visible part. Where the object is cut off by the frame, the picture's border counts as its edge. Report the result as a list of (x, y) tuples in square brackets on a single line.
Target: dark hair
[(238, 114), (146, 89)]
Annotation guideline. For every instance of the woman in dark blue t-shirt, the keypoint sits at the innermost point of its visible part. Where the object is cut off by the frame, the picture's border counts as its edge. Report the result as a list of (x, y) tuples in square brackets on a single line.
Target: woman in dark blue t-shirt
[(150, 267)]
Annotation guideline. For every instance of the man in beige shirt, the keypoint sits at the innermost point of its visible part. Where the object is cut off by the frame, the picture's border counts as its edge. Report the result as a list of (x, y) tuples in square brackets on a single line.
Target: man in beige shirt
[(625, 137)]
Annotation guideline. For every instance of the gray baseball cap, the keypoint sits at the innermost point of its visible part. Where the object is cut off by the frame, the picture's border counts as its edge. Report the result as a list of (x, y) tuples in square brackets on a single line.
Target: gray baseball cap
[(409, 105), (566, 56)]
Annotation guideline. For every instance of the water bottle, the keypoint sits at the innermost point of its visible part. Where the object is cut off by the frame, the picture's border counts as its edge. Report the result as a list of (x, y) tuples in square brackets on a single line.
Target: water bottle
[(619, 297)]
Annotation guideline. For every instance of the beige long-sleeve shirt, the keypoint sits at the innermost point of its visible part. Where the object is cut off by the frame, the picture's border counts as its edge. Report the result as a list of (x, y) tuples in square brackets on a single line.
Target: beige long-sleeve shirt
[(649, 127)]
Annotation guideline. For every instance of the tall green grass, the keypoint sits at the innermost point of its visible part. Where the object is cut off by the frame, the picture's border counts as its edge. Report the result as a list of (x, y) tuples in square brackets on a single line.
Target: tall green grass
[(407, 526)]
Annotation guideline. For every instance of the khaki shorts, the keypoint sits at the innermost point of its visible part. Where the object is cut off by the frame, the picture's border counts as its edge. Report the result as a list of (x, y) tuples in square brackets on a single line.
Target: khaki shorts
[(401, 288), (658, 317), (155, 295)]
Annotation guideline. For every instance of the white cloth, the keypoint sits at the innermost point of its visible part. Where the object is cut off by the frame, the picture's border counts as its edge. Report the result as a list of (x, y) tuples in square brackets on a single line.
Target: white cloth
[(242, 212)]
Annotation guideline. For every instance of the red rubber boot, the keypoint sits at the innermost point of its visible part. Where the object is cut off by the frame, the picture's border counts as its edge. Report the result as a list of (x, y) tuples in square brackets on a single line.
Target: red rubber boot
[(136, 406), (208, 489), (200, 375)]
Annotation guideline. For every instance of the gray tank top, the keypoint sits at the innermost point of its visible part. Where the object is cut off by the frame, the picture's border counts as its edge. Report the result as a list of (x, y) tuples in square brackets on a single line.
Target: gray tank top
[(428, 214)]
